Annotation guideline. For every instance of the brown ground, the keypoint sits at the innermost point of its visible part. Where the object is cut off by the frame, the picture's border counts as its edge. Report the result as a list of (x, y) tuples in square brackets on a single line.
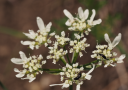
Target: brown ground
[(21, 15)]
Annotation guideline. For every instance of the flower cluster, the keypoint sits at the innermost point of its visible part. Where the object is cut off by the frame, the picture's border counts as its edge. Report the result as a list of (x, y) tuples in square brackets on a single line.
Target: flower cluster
[(39, 37), (56, 53), (81, 23), (61, 40), (73, 74), (105, 53), (78, 45), (31, 66)]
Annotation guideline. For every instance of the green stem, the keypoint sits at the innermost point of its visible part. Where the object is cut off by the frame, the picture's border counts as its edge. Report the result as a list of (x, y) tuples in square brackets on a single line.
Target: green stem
[(93, 62), (67, 56), (74, 58), (53, 70), (63, 60), (71, 87), (2, 86)]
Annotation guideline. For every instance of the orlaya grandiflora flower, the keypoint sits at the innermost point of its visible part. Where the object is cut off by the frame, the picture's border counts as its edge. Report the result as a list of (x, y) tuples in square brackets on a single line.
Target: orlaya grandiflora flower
[(72, 74), (39, 37), (115, 41), (104, 52), (81, 23), (116, 60), (31, 66), (82, 15)]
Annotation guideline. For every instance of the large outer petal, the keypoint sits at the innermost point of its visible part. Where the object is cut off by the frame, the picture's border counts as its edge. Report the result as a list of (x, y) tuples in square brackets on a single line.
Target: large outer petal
[(55, 84), (78, 87), (88, 77), (106, 37), (17, 60), (22, 55), (68, 14), (91, 69), (93, 15), (48, 26), (16, 70), (31, 79), (86, 13), (68, 23), (40, 23), (26, 42), (97, 22), (20, 75), (122, 56), (80, 13), (120, 59), (116, 40)]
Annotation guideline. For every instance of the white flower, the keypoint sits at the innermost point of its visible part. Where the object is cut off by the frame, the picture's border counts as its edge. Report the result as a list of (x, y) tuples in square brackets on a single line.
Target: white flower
[(120, 59), (73, 75), (31, 66), (115, 41), (42, 29), (31, 34), (40, 37), (95, 22), (61, 39)]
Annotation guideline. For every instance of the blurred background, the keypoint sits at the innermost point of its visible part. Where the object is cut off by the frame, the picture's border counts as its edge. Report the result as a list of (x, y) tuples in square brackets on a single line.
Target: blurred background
[(17, 16)]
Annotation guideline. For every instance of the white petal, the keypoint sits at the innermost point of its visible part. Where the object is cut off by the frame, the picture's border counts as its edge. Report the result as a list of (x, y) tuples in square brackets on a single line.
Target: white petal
[(116, 40), (48, 26), (22, 55), (16, 70), (32, 47), (40, 23), (86, 13), (65, 85), (120, 59), (17, 60), (63, 33), (106, 37), (106, 65), (80, 12), (68, 23), (93, 15), (78, 87), (68, 14), (97, 22), (55, 84), (31, 79), (91, 69), (122, 56), (88, 77), (52, 34), (26, 42), (20, 75)]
